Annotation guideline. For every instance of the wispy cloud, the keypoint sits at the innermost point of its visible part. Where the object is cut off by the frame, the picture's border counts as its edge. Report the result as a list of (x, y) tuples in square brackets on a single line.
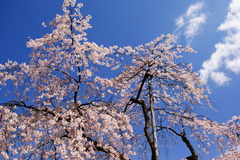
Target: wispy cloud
[(190, 22), (227, 53)]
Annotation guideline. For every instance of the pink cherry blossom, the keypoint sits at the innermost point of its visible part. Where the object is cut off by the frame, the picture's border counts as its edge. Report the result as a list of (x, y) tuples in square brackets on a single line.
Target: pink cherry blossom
[(76, 99)]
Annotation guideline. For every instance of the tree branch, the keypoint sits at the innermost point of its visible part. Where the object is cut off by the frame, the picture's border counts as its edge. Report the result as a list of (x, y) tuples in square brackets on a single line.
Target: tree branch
[(185, 140), (103, 148)]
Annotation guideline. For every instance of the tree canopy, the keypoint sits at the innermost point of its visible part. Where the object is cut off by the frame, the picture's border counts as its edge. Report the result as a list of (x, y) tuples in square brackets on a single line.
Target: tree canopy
[(76, 99)]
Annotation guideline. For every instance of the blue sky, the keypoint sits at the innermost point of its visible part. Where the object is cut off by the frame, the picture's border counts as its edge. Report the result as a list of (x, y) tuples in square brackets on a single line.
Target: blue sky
[(212, 28)]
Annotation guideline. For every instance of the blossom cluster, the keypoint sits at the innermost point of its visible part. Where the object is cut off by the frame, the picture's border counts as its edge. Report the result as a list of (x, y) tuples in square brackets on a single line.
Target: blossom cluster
[(79, 100)]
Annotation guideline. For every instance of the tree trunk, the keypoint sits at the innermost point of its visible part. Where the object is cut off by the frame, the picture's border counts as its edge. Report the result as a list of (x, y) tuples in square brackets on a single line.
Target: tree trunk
[(155, 155)]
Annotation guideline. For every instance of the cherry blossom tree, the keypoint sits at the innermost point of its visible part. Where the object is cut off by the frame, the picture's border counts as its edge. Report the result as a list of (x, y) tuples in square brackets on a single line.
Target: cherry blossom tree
[(78, 100)]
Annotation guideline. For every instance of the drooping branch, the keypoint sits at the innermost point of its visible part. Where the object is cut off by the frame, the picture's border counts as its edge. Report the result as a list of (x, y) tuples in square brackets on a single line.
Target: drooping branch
[(108, 149), (101, 147), (185, 140), (23, 104), (190, 147), (64, 73)]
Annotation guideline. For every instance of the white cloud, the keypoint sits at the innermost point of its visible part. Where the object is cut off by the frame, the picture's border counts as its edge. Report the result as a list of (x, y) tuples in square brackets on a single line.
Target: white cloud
[(227, 53), (219, 77), (194, 25), (193, 9), (180, 22), (191, 21), (234, 65)]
